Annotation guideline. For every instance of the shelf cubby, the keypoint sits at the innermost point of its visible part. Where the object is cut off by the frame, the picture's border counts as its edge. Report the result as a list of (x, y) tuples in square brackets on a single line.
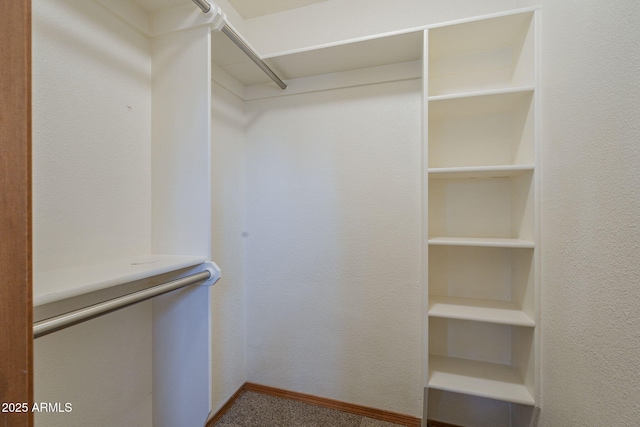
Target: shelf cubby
[(489, 54), (490, 129), (489, 284), (482, 359), (481, 379), (483, 208)]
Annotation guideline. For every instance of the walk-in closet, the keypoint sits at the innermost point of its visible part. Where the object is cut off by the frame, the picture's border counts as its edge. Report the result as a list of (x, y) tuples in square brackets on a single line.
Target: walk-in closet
[(363, 205)]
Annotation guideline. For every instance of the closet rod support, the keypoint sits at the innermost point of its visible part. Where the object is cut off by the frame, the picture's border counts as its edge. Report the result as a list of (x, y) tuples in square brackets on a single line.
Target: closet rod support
[(237, 40), (47, 326)]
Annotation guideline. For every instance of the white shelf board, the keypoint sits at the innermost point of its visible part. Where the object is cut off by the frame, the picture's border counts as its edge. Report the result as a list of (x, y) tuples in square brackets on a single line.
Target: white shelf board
[(57, 285), (481, 93), (489, 242), (227, 56), (466, 172), (351, 55), (478, 103), (482, 379), (502, 312), (328, 59)]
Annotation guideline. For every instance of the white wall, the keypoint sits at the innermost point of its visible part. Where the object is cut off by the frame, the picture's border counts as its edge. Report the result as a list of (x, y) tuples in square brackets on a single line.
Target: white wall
[(101, 367), (228, 212), (332, 256), (591, 213), (590, 200), (91, 133), (92, 114)]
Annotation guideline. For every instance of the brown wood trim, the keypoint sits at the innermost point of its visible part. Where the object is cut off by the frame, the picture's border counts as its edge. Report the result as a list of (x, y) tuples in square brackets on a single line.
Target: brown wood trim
[(226, 406), (378, 414), (432, 423), (16, 319)]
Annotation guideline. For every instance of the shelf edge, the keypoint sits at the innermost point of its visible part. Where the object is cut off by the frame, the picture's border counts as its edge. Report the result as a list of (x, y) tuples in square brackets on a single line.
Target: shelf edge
[(481, 242), (480, 93)]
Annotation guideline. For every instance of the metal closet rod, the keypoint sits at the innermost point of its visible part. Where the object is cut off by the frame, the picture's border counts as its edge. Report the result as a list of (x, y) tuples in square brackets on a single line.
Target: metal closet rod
[(47, 326), (235, 38)]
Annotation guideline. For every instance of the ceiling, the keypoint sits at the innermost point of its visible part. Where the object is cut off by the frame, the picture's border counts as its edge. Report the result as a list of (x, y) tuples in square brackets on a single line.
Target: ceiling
[(254, 8), (156, 5), (246, 8)]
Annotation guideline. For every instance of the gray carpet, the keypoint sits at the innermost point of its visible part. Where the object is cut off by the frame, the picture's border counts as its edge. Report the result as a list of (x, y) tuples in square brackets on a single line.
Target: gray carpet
[(259, 410)]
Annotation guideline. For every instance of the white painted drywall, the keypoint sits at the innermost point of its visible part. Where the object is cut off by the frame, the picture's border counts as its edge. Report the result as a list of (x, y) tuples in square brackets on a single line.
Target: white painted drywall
[(332, 265), (591, 213), (101, 367), (91, 131), (92, 177), (181, 222), (590, 203), (228, 212)]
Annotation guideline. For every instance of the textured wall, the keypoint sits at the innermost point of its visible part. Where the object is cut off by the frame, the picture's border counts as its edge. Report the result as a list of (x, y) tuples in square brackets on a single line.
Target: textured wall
[(101, 367), (333, 247), (91, 135), (227, 304), (590, 181), (591, 214)]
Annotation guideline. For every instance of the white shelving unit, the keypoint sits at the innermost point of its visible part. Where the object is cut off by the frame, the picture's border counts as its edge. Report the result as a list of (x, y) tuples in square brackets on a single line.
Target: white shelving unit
[(121, 191), (480, 169), (482, 210)]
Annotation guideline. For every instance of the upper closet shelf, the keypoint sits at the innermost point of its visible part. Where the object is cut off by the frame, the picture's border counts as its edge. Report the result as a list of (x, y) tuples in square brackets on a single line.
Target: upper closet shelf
[(496, 48), (327, 59), (332, 58), (57, 285), (355, 55)]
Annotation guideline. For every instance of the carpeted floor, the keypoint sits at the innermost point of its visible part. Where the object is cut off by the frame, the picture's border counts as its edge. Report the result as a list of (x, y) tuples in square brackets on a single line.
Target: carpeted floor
[(259, 410)]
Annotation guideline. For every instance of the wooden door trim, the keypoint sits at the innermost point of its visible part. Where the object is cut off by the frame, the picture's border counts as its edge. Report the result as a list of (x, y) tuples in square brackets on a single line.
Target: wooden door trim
[(16, 318)]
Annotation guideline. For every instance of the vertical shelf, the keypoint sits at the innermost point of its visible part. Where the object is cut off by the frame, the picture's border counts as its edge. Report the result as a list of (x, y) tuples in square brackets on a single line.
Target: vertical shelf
[(491, 208), (482, 213)]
